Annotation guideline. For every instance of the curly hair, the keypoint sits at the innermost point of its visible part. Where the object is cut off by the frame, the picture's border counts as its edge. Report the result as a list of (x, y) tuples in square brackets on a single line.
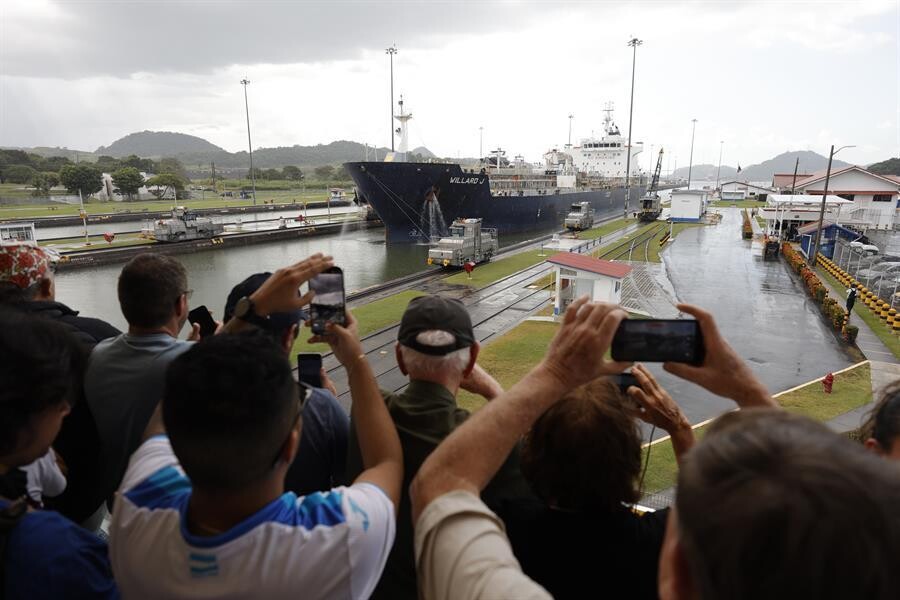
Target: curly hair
[(584, 453)]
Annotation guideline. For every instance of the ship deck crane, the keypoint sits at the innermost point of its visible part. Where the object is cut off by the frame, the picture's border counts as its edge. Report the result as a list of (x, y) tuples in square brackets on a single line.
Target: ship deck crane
[(650, 203)]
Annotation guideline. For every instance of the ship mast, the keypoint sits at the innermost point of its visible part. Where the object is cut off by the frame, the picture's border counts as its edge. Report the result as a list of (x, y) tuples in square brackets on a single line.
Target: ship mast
[(403, 132)]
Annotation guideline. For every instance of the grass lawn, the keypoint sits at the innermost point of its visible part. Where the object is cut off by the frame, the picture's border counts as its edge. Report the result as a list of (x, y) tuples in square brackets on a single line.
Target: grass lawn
[(486, 274), (738, 203), (878, 327), (852, 388), (509, 358), (605, 229), (95, 207), (372, 317)]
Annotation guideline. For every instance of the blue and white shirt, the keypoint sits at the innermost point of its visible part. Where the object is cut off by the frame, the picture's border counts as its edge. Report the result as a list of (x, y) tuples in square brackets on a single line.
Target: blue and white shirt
[(324, 545)]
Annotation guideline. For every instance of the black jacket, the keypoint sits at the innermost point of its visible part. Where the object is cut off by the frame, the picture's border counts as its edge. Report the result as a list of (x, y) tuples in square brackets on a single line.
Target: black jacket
[(78, 442)]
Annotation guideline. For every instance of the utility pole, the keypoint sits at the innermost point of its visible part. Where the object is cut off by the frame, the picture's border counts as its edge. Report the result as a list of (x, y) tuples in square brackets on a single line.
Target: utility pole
[(244, 82), (719, 170), (569, 145), (691, 157), (391, 52), (815, 254), (794, 181), (634, 43)]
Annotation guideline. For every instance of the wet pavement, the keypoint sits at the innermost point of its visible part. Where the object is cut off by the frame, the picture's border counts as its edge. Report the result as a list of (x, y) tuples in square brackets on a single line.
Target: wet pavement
[(761, 309)]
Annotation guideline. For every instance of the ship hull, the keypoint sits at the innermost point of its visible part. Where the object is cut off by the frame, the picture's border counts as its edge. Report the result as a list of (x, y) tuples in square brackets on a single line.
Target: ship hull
[(418, 201)]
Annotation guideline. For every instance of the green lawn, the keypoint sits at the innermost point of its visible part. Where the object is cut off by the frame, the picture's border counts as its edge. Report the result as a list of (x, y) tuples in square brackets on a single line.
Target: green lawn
[(738, 203), (878, 327), (605, 229), (486, 274), (510, 357), (372, 317), (851, 389)]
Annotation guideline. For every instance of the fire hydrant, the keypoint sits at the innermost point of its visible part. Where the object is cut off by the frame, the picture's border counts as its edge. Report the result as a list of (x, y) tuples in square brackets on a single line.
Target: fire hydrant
[(827, 383)]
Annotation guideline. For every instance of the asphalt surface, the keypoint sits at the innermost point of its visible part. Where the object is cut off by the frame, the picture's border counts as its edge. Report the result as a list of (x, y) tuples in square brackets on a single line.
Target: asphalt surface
[(761, 309)]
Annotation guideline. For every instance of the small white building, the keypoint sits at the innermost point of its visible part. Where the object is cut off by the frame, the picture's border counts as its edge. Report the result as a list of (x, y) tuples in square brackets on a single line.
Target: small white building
[(688, 205), (742, 190), (787, 213), (577, 274), (873, 197)]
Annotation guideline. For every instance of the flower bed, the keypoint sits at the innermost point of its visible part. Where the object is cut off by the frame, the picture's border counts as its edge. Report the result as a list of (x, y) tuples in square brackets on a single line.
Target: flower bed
[(831, 308)]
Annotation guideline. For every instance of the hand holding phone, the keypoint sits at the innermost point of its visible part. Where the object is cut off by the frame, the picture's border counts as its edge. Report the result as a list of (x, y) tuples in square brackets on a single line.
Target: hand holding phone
[(658, 340), (328, 303), (201, 316)]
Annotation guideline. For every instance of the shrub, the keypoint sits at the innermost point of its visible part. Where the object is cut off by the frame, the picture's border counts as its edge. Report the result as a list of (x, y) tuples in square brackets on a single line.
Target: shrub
[(851, 333), (820, 294)]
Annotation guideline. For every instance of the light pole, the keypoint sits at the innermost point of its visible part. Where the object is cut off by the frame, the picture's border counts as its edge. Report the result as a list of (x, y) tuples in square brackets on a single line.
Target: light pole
[(391, 52), (719, 170), (815, 254), (569, 145), (244, 82), (481, 144), (691, 157), (634, 43)]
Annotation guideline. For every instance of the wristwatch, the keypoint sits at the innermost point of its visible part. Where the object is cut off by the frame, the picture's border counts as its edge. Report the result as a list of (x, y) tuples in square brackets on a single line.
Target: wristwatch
[(244, 310)]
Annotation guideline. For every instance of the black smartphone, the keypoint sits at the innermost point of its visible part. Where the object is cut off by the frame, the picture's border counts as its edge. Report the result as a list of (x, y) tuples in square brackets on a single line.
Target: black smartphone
[(658, 340), (624, 380), (202, 316), (309, 368), (328, 304)]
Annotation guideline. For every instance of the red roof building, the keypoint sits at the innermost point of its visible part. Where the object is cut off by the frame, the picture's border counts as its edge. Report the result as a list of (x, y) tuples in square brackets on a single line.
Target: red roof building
[(577, 275)]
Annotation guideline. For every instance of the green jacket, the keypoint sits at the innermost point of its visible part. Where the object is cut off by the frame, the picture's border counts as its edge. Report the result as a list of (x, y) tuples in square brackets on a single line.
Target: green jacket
[(424, 414)]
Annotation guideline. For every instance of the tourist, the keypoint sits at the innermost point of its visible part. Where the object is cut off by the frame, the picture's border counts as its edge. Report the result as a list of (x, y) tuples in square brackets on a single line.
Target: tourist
[(42, 554), (461, 550), (774, 505), (44, 479), (851, 299), (125, 375), (202, 510), (27, 282), (437, 350), (881, 432), (583, 459), (322, 456)]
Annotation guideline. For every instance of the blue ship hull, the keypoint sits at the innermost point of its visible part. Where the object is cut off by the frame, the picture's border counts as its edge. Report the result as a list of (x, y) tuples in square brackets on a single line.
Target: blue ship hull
[(418, 201)]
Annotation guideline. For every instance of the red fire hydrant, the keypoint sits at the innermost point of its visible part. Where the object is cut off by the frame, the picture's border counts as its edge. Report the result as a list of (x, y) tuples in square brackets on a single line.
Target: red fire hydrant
[(469, 266), (827, 383)]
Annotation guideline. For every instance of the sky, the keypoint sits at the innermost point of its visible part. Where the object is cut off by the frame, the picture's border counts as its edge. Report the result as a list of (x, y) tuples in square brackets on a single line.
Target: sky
[(761, 77)]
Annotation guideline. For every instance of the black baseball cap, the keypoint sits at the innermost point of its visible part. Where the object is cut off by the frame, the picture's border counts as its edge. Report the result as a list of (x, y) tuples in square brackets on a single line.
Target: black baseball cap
[(277, 322), (427, 313)]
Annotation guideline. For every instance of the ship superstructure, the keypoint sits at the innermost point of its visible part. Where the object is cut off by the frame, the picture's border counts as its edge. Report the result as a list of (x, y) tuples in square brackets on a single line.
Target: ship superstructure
[(606, 156)]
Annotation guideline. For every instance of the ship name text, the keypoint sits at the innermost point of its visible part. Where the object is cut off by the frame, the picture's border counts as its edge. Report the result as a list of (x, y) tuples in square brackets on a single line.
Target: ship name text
[(467, 180)]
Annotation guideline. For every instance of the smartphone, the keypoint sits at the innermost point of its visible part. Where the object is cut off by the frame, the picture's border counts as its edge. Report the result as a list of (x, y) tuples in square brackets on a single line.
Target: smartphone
[(309, 368), (623, 381), (202, 316), (658, 340), (328, 304)]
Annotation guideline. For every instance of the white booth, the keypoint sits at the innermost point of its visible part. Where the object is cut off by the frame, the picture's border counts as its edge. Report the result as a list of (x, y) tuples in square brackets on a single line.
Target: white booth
[(577, 275), (688, 205)]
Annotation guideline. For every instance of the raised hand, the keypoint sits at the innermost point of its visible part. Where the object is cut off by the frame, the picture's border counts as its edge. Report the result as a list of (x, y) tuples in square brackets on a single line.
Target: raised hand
[(280, 292), (656, 406)]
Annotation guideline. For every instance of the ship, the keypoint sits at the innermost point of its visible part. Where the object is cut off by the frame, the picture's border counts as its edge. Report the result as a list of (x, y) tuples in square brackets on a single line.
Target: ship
[(417, 201)]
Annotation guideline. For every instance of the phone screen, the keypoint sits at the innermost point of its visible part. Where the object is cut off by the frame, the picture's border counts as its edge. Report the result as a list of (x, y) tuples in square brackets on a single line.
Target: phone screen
[(658, 340), (309, 368), (202, 316), (328, 304)]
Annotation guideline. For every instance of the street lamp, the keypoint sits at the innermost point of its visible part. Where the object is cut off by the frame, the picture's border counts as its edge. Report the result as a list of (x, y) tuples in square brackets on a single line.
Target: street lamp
[(244, 82), (815, 254), (691, 157), (719, 170), (569, 145), (391, 52), (481, 144), (634, 43)]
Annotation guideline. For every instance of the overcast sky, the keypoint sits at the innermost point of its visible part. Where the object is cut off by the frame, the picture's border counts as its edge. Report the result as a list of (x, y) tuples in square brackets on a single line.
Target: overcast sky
[(764, 77)]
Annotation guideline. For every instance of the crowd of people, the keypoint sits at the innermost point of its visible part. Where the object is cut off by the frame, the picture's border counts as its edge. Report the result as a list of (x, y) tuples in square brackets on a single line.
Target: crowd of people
[(136, 464)]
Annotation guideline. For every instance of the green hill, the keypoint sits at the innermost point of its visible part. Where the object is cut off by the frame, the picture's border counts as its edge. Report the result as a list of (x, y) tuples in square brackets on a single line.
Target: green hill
[(156, 144)]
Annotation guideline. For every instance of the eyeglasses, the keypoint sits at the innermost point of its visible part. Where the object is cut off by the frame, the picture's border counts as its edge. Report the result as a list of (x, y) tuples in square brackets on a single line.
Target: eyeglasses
[(187, 294)]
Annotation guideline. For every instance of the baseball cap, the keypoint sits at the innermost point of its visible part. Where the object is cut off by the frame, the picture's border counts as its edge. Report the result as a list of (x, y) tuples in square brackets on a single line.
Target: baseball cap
[(436, 313), (23, 265), (277, 321)]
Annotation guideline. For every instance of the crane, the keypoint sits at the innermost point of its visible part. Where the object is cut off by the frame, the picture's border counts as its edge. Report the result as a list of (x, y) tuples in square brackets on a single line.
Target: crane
[(650, 208)]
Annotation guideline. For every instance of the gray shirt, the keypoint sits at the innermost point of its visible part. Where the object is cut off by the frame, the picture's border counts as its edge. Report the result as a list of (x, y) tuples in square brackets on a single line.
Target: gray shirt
[(124, 383)]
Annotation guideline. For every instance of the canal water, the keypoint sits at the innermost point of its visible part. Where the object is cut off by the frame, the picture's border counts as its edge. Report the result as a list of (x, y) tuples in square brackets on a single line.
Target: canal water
[(363, 255)]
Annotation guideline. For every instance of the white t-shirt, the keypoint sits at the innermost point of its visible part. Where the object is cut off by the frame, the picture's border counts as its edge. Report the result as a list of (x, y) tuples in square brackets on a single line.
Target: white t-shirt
[(324, 545), (43, 478)]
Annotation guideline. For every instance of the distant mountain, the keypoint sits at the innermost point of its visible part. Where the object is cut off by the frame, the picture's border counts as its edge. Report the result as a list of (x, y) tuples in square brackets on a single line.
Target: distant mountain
[(706, 172), (424, 152), (890, 166), (156, 144)]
